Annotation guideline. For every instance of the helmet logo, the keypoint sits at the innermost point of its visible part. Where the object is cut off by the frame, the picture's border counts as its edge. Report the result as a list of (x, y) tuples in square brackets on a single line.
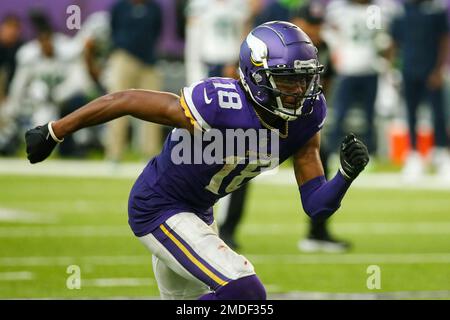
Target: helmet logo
[(258, 64), (257, 48)]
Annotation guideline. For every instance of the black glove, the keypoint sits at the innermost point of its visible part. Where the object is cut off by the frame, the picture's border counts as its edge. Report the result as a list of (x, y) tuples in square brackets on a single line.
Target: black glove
[(40, 143), (354, 157)]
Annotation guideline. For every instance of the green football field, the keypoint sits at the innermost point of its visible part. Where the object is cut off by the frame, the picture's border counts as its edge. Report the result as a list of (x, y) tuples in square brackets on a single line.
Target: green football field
[(53, 227)]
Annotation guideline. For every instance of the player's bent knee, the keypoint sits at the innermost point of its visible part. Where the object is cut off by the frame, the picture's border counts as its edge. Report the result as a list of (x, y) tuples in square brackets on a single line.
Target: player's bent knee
[(247, 288)]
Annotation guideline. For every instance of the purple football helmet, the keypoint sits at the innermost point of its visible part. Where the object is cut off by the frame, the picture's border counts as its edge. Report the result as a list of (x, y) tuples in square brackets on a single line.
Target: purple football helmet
[(275, 55)]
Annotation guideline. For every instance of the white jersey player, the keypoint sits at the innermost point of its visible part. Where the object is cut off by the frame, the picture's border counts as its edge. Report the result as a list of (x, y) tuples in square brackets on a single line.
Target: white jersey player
[(356, 32), (214, 32)]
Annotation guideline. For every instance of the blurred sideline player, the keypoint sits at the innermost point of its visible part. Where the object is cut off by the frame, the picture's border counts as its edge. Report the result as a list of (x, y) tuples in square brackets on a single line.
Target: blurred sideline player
[(356, 52), (42, 81), (10, 42), (91, 48), (423, 69), (279, 99), (310, 19), (136, 26), (52, 80), (214, 32)]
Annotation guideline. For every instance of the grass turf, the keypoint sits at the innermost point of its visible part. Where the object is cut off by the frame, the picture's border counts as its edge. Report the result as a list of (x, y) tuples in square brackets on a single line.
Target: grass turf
[(77, 221)]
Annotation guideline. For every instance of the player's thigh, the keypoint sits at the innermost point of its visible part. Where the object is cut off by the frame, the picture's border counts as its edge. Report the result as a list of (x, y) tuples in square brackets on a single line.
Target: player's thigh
[(173, 286), (194, 250)]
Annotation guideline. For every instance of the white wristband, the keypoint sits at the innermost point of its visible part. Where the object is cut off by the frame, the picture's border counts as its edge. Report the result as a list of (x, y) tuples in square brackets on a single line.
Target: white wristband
[(344, 174), (50, 129)]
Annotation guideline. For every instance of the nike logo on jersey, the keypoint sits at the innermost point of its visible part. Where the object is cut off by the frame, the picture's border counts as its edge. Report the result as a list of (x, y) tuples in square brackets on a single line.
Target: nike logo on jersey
[(207, 100)]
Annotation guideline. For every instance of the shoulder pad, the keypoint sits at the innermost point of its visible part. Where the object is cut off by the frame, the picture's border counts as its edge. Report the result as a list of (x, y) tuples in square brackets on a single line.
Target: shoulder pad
[(215, 103)]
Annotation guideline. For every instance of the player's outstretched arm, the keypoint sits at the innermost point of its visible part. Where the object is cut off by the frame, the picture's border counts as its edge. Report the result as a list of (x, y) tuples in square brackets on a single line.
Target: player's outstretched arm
[(321, 198), (153, 106)]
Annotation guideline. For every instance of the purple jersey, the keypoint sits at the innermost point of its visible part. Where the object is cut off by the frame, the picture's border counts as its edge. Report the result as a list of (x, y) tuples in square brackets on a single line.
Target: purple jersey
[(167, 187)]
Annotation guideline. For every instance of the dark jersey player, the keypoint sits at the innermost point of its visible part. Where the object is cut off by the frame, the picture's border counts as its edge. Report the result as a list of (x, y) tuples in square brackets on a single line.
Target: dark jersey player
[(170, 203)]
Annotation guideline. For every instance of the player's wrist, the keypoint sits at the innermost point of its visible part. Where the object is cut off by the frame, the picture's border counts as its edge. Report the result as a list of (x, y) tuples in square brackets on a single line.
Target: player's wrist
[(345, 175), (55, 132)]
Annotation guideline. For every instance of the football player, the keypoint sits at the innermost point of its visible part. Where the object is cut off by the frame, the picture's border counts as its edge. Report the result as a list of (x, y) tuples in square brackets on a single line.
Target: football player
[(170, 204)]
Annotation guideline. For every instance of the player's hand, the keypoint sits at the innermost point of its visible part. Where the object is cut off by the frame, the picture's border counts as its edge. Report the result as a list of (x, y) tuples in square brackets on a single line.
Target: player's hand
[(354, 157), (40, 143)]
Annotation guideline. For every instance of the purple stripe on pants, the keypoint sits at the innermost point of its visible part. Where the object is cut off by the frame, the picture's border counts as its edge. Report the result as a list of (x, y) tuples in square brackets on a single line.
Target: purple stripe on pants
[(181, 257)]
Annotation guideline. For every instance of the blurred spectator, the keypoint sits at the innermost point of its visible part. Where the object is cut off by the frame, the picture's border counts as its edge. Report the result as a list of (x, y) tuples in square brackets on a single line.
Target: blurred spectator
[(310, 18), (51, 81), (215, 30), (355, 50), (180, 18), (421, 34), (42, 66), (277, 10), (10, 41), (95, 40), (91, 47), (135, 29)]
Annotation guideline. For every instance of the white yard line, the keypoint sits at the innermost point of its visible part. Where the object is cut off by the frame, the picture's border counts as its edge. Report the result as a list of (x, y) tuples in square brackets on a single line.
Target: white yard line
[(300, 259), (70, 168), (285, 176), (20, 216), (117, 282), (366, 228), (16, 276), (66, 261), (366, 181), (72, 231), (305, 295), (347, 259)]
